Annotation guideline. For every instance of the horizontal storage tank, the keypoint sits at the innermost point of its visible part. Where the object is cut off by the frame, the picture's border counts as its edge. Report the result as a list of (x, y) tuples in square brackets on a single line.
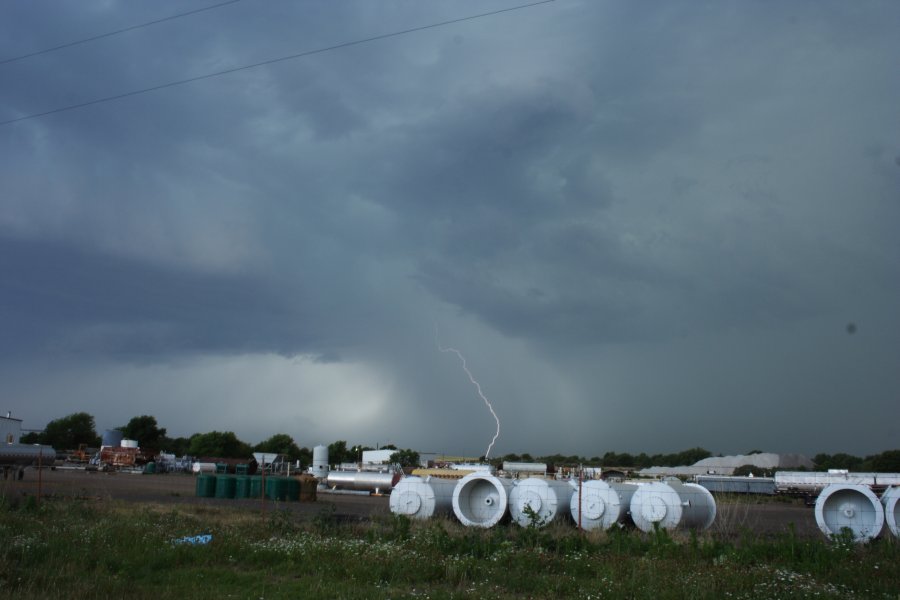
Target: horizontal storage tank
[(422, 498), (129, 444), (892, 509), (602, 504), (547, 499), (524, 467), (364, 481), (672, 505), (851, 506), (199, 467), (26, 454), (481, 499)]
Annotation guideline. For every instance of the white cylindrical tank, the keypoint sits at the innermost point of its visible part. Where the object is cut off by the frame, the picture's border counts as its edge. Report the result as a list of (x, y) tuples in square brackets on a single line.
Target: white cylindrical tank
[(849, 506), (671, 505), (319, 468), (363, 481), (422, 498), (199, 467), (548, 499), (129, 443), (481, 499), (602, 503), (889, 499), (524, 467)]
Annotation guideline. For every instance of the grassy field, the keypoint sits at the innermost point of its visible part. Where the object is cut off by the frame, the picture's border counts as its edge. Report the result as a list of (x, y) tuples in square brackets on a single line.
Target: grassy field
[(89, 549)]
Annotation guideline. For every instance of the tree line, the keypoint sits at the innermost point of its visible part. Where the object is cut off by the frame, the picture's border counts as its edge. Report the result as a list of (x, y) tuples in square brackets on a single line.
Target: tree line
[(72, 431), (67, 433)]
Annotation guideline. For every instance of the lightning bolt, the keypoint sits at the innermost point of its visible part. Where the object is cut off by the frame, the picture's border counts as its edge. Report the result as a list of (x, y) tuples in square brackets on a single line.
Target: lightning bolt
[(487, 402)]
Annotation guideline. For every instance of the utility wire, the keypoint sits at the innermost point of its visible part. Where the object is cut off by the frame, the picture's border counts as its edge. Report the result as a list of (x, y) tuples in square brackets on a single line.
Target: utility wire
[(272, 61), (116, 32)]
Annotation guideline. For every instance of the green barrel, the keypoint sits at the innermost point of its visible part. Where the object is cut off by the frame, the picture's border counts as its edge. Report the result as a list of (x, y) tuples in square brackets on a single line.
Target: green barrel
[(255, 486), (241, 486), (221, 468), (240, 469), (293, 489), (206, 485), (150, 468), (225, 485), (276, 488)]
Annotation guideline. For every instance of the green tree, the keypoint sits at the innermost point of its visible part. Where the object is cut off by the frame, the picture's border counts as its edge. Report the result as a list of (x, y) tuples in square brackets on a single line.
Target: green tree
[(280, 443), (405, 458), (32, 437), (145, 430), (178, 446), (218, 444), (886, 462), (66, 433), (338, 453)]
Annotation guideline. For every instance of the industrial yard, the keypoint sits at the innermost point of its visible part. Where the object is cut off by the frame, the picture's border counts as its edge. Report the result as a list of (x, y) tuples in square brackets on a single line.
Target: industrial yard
[(111, 535), (767, 516)]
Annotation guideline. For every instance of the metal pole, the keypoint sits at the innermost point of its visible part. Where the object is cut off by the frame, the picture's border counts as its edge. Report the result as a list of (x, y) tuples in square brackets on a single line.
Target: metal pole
[(262, 485), (580, 478), (40, 470)]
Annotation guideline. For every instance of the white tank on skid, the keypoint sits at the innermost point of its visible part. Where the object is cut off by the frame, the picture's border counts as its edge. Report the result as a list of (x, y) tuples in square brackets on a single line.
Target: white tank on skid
[(602, 504), (849, 506), (480, 499), (422, 498), (546, 499), (672, 505), (890, 499)]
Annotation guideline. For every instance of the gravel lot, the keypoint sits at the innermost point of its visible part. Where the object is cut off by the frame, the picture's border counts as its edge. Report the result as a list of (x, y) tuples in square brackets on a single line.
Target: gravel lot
[(734, 515)]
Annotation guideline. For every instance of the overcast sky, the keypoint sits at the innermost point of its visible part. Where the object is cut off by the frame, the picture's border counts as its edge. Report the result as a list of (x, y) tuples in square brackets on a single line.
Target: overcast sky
[(647, 226)]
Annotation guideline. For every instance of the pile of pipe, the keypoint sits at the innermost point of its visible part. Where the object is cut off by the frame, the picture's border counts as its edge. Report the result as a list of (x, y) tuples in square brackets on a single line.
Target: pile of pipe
[(484, 500), (854, 509)]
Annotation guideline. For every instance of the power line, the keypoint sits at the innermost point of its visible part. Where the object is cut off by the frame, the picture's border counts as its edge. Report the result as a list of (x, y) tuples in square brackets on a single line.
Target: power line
[(273, 61), (116, 32)]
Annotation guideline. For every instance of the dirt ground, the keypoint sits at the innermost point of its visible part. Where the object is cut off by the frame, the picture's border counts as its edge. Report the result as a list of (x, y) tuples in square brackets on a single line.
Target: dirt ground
[(734, 514)]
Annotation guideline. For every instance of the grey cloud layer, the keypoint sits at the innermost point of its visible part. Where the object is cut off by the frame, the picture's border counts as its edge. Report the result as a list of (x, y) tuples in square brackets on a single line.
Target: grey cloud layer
[(575, 185)]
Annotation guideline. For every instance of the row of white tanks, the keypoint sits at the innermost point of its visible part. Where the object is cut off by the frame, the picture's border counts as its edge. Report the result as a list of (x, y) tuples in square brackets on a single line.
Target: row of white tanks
[(857, 509), (484, 500)]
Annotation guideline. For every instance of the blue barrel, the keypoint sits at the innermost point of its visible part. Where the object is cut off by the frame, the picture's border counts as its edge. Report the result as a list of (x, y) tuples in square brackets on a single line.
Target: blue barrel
[(206, 485), (225, 485)]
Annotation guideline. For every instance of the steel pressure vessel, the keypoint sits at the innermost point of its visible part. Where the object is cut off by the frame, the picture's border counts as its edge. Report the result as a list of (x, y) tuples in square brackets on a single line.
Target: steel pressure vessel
[(890, 499), (672, 505), (852, 507), (422, 498), (481, 499), (602, 504), (537, 502)]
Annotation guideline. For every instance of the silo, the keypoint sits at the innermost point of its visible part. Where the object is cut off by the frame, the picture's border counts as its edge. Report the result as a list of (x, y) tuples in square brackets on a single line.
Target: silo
[(319, 468), (547, 499), (671, 505), (889, 499), (602, 504), (480, 499), (112, 438), (422, 498), (849, 506)]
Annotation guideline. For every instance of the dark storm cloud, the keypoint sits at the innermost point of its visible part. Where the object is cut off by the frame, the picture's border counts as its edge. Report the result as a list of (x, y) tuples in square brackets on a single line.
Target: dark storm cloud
[(615, 210), (63, 299)]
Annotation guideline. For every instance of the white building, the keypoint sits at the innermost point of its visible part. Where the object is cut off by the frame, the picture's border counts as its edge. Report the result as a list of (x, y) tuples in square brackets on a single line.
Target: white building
[(10, 429)]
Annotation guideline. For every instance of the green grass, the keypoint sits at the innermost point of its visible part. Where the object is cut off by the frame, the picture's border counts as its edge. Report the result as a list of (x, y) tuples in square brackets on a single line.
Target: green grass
[(104, 549)]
